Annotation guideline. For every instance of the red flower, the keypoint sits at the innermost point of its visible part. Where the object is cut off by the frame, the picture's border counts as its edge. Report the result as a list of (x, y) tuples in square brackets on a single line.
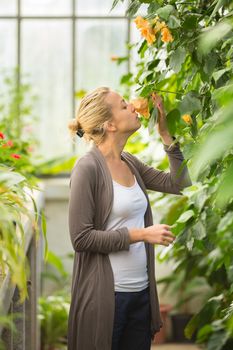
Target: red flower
[(2, 136), (8, 144), (16, 156)]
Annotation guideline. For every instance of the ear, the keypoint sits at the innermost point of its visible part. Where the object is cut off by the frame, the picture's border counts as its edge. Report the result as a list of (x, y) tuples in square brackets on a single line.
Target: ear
[(109, 125)]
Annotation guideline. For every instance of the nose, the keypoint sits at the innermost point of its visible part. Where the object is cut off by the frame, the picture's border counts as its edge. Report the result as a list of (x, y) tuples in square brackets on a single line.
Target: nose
[(132, 107)]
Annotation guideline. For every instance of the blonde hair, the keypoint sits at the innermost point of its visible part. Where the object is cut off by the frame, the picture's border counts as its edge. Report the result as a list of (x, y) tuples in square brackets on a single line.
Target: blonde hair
[(91, 115)]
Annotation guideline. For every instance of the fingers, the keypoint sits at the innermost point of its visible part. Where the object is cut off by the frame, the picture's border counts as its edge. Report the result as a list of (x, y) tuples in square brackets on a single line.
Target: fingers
[(167, 235), (167, 241)]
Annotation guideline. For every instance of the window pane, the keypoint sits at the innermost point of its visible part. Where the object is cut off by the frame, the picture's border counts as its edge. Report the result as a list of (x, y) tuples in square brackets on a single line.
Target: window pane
[(8, 57), (135, 38), (46, 7), (8, 7), (97, 41), (96, 7), (46, 56)]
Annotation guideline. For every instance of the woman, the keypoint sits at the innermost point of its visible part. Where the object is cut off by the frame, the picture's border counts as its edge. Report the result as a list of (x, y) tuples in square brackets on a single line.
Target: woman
[(114, 302)]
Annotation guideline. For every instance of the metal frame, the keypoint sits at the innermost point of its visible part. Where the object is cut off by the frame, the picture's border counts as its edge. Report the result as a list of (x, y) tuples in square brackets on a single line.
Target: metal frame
[(74, 18)]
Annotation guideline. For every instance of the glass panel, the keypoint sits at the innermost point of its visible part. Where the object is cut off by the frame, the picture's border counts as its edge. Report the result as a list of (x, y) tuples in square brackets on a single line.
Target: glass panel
[(97, 42), (46, 56), (8, 55), (135, 37), (99, 8), (8, 7), (46, 7)]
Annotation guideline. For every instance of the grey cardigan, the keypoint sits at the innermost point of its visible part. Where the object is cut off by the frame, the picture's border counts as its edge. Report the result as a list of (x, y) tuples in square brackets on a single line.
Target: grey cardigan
[(91, 314)]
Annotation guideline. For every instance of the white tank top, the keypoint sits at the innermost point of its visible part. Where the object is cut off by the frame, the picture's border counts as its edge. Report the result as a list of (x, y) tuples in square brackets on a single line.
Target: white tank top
[(129, 267)]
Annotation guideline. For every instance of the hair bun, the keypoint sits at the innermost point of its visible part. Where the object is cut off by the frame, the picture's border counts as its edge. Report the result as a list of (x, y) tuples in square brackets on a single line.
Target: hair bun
[(80, 132)]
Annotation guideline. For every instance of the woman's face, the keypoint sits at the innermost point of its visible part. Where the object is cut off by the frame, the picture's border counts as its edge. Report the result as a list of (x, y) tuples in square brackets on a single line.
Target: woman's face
[(125, 119)]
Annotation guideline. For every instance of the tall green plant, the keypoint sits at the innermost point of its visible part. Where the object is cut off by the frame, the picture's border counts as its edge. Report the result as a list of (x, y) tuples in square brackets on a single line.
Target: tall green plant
[(17, 181), (193, 72)]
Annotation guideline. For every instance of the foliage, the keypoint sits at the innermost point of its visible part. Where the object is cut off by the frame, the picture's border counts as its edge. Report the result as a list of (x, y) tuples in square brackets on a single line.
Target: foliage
[(16, 183), (193, 72), (53, 309), (17, 123), (53, 313)]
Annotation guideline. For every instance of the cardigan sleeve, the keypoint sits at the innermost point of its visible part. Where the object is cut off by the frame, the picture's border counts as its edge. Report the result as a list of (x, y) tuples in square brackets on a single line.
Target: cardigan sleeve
[(84, 237), (168, 182)]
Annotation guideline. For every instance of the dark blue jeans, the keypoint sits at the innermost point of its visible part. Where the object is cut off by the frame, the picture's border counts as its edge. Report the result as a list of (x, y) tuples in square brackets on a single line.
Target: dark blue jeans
[(131, 330)]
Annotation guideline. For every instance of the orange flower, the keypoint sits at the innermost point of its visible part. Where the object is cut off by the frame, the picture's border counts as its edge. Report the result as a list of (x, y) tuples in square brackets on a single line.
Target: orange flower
[(114, 58), (157, 25), (141, 106), (145, 28), (166, 35), (148, 34), (187, 118), (16, 156), (140, 22)]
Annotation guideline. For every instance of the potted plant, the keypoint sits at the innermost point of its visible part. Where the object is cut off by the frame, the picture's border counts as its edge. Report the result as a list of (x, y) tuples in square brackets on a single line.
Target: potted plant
[(161, 336)]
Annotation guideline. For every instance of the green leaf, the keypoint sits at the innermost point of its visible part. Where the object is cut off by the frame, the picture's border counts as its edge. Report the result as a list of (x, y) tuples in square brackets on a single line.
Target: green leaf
[(190, 21), (225, 222), (225, 190), (11, 178), (207, 152), (210, 38), (153, 7), (44, 230), (54, 260), (186, 216), (189, 244), (173, 118), (164, 12), (204, 332), (210, 63), (198, 230), (177, 58), (152, 121), (126, 78), (173, 22), (133, 8), (217, 340), (219, 4), (219, 73), (142, 48), (147, 90), (115, 2), (190, 103)]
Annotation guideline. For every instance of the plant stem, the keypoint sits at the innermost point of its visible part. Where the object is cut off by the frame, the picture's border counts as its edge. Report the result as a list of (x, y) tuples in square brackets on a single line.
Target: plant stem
[(170, 92)]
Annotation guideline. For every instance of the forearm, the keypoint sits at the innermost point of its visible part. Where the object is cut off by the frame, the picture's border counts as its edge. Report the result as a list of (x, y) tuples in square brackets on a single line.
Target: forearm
[(178, 169), (136, 234), (98, 241), (167, 139)]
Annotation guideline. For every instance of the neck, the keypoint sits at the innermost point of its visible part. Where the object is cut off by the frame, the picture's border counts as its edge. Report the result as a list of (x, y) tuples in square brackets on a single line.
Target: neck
[(112, 149)]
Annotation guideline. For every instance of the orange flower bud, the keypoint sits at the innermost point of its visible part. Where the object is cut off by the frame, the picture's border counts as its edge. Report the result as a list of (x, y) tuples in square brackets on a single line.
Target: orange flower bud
[(187, 118), (114, 58)]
